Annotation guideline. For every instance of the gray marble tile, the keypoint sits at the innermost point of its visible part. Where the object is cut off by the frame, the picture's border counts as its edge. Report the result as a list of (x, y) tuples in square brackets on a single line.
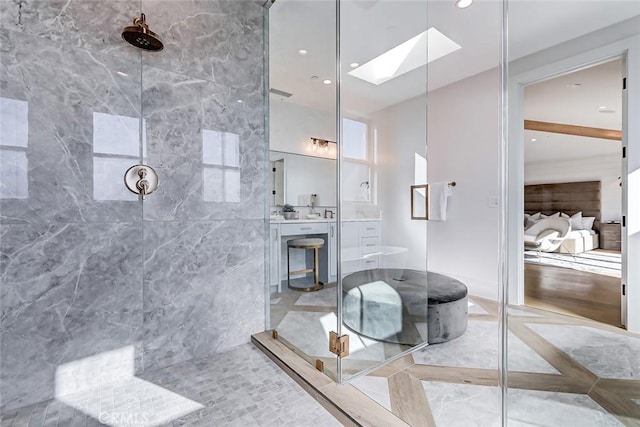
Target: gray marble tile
[(219, 41), (323, 298), (547, 409), (186, 119), (479, 347), (463, 405), (606, 354), (68, 291), (62, 88), (75, 23), (203, 288)]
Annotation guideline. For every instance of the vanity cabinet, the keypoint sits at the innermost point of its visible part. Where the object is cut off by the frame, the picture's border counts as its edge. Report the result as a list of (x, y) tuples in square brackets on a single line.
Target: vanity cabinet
[(360, 246)]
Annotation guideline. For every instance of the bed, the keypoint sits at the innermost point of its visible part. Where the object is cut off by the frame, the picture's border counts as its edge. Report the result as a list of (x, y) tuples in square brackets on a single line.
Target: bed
[(572, 200)]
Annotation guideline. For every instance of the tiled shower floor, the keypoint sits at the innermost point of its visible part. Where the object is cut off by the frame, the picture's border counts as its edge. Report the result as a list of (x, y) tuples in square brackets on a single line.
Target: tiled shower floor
[(241, 387)]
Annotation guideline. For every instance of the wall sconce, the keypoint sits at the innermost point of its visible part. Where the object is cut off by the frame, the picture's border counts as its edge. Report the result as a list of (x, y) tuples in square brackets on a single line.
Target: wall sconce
[(321, 144)]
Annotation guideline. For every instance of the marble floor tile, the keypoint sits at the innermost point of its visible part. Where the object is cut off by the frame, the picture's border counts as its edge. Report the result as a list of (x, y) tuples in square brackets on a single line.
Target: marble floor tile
[(240, 387), (606, 354), (324, 298), (541, 408), (463, 405), (479, 347), (475, 308)]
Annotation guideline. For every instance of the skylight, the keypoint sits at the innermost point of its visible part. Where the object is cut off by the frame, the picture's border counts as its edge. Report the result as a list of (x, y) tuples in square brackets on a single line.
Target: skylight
[(413, 53)]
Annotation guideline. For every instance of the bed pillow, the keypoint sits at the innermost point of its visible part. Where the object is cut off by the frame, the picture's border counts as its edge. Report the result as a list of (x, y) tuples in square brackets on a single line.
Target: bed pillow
[(526, 220), (587, 222), (576, 221), (531, 221)]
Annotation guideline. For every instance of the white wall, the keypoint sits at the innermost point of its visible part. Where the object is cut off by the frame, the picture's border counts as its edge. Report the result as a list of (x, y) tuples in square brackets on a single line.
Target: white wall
[(400, 133), (292, 126), (606, 170), (463, 146)]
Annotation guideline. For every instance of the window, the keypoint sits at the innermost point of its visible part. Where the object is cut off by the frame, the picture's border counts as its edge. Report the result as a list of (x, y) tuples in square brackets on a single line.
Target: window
[(14, 138), (116, 147), (221, 166), (357, 176)]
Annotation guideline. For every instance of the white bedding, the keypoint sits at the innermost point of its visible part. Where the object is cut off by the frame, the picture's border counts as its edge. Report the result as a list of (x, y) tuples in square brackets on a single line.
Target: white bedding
[(579, 241)]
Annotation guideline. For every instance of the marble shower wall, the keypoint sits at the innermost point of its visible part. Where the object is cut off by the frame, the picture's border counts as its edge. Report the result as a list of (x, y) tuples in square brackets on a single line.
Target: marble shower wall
[(84, 266)]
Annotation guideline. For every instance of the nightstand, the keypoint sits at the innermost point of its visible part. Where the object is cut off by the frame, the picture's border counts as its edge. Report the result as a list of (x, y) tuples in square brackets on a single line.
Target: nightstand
[(610, 236)]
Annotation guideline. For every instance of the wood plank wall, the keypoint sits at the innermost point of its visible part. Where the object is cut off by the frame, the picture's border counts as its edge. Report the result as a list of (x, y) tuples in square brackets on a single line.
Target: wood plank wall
[(568, 197)]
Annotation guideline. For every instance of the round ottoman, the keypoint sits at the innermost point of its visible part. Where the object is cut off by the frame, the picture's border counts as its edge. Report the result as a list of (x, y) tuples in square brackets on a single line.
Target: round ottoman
[(404, 306)]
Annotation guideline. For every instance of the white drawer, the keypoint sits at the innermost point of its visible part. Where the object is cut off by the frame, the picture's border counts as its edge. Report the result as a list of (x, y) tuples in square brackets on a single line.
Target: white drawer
[(370, 245), (302, 229), (369, 229), (368, 263)]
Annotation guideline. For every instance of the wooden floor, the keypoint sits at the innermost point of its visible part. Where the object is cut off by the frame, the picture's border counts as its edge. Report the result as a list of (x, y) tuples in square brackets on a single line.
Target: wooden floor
[(572, 292)]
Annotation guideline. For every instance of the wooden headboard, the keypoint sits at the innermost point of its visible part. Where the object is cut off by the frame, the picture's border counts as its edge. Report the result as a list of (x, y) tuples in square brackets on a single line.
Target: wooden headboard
[(569, 197)]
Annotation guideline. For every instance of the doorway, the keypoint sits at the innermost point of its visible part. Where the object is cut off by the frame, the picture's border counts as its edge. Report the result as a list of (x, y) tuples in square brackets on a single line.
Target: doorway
[(573, 193)]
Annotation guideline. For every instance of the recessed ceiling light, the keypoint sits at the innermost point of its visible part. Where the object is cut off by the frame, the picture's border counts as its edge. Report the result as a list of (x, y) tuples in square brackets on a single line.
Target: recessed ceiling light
[(314, 77), (463, 3), (407, 56), (354, 65), (533, 140), (240, 101), (606, 111), (326, 82), (575, 85), (120, 73), (602, 108), (302, 52)]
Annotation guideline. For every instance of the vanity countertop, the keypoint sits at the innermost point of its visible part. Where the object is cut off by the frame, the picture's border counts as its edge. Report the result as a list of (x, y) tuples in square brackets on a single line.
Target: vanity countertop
[(305, 220)]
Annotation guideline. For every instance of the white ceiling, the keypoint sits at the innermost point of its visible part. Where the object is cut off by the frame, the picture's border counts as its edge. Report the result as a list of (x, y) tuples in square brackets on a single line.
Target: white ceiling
[(369, 28), (575, 99)]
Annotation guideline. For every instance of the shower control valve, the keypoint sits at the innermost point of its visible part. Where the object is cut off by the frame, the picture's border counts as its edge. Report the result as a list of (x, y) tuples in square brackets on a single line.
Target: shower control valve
[(141, 179)]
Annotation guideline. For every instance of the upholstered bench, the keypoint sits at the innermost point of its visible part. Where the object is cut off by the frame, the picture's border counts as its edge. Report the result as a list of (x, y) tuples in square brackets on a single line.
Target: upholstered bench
[(404, 306)]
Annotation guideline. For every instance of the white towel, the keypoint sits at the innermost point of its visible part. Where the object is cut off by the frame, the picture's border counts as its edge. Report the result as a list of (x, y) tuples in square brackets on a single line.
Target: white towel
[(439, 192)]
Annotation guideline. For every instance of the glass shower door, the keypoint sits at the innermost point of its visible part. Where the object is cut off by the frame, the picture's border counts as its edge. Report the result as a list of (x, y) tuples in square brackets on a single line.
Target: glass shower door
[(420, 116), (301, 290), (384, 292)]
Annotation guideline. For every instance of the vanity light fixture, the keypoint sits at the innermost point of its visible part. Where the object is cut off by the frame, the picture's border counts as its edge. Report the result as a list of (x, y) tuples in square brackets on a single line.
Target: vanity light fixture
[(461, 4), (320, 144)]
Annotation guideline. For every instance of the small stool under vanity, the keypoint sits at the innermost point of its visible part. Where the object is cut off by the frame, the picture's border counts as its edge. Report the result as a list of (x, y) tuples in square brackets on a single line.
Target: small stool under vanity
[(315, 244), (360, 241)]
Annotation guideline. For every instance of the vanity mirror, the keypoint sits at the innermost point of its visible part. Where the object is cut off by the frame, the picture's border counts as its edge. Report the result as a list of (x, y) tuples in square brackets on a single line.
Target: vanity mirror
[(295, 177)]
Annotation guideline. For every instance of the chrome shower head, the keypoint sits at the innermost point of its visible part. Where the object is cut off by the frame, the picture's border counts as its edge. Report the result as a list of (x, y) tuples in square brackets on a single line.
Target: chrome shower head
[(139, 35)]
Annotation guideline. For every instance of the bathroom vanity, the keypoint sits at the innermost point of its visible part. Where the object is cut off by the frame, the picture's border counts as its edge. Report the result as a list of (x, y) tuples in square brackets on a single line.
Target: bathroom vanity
[(360, 243)]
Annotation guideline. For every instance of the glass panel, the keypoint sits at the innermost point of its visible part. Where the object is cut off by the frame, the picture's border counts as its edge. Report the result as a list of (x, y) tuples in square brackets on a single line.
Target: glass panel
[(302, 188), (425, 76), (572, 315)]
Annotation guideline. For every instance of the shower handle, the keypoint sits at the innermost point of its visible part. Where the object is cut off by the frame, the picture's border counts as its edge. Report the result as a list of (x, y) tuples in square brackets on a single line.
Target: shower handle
[(141, 180), (142, 185)]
